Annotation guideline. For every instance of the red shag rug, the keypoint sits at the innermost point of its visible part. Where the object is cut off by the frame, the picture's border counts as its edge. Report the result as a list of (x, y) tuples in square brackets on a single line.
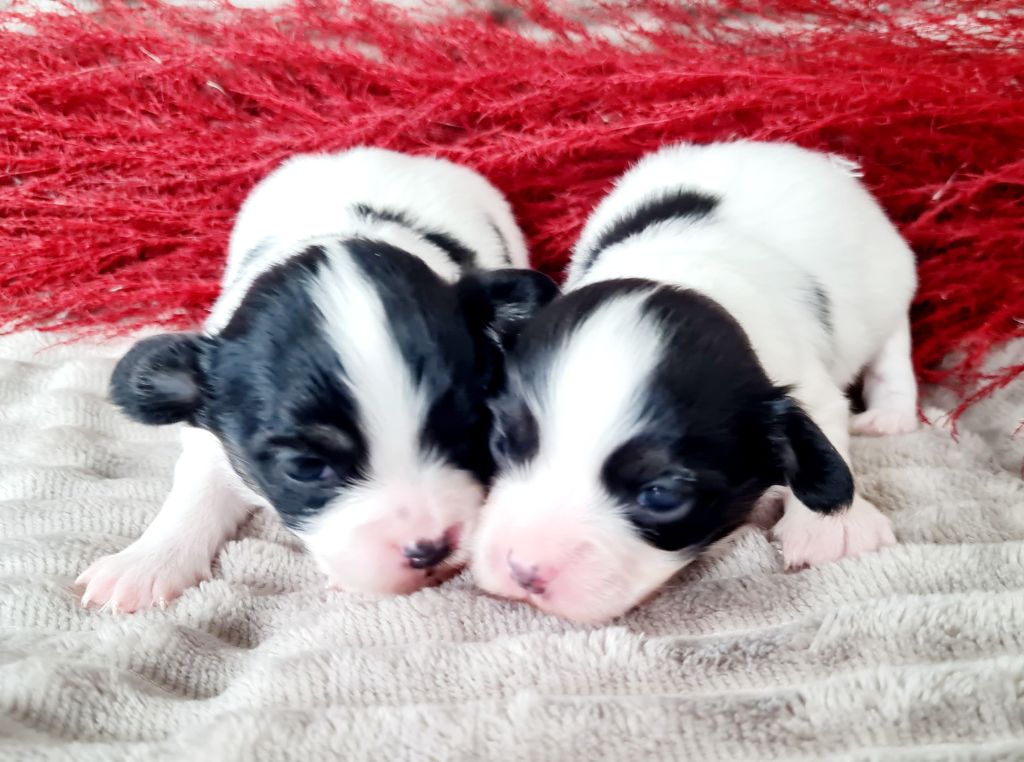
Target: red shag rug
[(129, 136)]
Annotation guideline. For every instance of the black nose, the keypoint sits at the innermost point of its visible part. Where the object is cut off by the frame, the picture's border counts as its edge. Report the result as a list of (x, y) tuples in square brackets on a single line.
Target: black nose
[(426, 553)]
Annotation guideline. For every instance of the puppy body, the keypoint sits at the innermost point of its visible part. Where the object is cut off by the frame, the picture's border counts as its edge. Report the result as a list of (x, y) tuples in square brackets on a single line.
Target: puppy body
[(794, 249), (709, 283), (341, 377), (374, 194)]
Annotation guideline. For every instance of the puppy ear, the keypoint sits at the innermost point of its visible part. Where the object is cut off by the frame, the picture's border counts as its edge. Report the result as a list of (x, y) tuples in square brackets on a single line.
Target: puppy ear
[(159, 381), (500, 302), (814, 469)]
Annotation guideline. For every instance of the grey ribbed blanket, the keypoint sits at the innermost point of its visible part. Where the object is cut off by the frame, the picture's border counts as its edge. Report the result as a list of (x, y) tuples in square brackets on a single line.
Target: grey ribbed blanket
[(917, 652)]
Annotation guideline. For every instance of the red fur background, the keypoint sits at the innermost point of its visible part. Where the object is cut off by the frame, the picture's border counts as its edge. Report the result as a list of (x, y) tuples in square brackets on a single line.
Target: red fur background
[(128, 137)]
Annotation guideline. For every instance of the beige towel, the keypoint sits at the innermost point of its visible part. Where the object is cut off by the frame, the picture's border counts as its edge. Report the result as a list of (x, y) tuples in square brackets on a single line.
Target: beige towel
[(913, 653)]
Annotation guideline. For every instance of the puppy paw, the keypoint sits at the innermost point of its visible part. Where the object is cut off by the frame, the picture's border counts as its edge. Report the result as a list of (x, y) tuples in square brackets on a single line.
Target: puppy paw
[(139, 578), (811, 539), (880, 422)]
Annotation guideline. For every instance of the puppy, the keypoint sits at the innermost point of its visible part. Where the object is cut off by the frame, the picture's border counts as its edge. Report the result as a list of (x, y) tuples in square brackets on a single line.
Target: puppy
[(342, 377), (719, 302)]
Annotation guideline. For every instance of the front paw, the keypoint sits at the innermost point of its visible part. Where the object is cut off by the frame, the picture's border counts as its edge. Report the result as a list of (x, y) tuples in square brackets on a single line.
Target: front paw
[(811, 539), (139, 578), (881, 422)]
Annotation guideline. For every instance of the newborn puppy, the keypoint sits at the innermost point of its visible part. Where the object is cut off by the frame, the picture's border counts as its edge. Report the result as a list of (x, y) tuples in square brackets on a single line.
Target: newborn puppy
[(719, 302), (341, 378)]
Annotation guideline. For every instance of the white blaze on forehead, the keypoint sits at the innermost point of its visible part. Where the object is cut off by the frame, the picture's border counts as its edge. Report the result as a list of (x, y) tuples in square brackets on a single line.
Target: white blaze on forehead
[(590, 401), (391, 408)]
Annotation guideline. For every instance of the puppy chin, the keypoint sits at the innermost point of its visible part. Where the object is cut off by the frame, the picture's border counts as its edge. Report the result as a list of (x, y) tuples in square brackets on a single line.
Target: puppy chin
[(365, 541), (587, 564)]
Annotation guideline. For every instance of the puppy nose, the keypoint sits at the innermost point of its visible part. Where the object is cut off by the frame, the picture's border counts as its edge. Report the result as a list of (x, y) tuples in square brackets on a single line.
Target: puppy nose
[(526, 577), (426, 553)]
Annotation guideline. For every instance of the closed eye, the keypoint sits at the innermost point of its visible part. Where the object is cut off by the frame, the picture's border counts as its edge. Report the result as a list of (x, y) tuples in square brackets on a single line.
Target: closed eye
[(317, 457), (313, 470), (515, 438), (305, 468)]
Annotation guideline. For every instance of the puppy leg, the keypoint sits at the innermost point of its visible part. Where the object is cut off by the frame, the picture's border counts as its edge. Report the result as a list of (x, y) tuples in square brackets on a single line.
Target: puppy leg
[(810, 538), (206, 505), (890, 389)]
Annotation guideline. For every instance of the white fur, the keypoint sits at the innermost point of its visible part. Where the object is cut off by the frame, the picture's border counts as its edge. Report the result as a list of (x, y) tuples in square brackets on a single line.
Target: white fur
[(592, 374), (309, 196), (358, 539), (555, 516), (890, 389), (784, 213), (391, 406), (570, 532)]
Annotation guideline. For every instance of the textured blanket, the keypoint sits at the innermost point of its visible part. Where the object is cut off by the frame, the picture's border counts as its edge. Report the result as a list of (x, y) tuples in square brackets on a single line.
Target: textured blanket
[(916, 652)]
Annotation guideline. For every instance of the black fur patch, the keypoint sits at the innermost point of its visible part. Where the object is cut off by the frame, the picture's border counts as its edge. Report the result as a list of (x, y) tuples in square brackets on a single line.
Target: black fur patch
[(822, 306), (271, 385), (704, 407), (814, 469), (276, 383), (286, 280), (515, 437), (384, 215), (708, 411), (273, 378), (159, 380), (531, 356), (457, 253), (451, 364), (680, 204), (505, 252), (460, 254)]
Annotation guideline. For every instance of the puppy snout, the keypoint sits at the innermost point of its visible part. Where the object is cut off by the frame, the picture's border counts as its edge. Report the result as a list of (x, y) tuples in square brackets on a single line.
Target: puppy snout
[(526, 576), (424, 554)]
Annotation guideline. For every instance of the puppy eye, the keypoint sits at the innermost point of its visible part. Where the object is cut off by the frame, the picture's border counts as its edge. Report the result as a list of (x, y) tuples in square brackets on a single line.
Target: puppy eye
[(666, 499), (309, 469), (514, 437), (501, 445)]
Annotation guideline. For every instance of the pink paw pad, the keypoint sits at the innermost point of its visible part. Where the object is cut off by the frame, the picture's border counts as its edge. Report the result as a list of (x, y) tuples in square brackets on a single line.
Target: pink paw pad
[(132, 581), (811, 539)]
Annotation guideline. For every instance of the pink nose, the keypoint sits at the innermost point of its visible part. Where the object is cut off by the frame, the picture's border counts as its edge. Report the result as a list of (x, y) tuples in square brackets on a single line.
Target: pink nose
[(527, 577)]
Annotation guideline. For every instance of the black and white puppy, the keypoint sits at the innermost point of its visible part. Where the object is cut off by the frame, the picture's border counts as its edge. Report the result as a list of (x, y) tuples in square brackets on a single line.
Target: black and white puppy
[(719, 303), (342, 377)]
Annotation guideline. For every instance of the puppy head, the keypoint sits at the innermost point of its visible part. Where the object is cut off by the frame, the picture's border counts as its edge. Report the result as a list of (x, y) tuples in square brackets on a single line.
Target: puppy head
[(350, 389), (637, 427)]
